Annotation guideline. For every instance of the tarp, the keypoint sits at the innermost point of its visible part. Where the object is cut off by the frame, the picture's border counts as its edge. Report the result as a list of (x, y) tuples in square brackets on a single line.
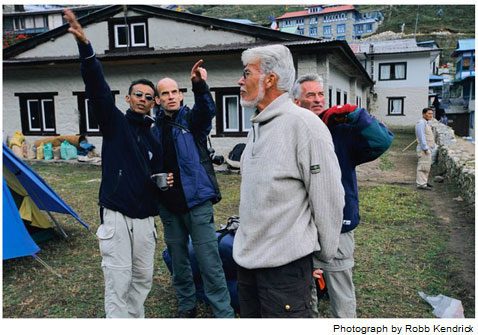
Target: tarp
[(16, 239)]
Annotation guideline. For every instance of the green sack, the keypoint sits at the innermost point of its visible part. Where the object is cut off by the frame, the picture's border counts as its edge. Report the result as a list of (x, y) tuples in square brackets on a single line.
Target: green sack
[(68, 151), (48, 151)]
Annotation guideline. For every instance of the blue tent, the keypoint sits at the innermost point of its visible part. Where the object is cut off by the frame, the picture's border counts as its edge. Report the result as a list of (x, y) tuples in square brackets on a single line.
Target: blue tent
[(16, 240)]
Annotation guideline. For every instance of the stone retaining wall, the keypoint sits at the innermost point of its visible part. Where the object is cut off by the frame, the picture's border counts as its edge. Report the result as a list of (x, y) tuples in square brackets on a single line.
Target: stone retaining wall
[(456, 158)]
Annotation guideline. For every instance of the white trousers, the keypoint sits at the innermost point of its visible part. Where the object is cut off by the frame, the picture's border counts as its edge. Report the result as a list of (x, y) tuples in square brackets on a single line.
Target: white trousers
[(423, 167), (127, 249)]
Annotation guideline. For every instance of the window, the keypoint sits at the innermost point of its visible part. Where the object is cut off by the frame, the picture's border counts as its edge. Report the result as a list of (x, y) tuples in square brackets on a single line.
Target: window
[(395, 106), (337, 97), (231, 118), (18, 23), (466, 64), (393, 71), (300, 21), (358, 101), (88, 123), (313, 31), (345, 98), (327, 31), (359, 29), (368, 27), (300, 30), (37, 112), (330, 97), (133, 34), (313, 20), (341, 29)]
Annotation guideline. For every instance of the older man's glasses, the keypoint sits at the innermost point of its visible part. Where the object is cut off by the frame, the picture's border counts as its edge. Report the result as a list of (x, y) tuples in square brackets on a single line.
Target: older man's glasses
[(139, 95)]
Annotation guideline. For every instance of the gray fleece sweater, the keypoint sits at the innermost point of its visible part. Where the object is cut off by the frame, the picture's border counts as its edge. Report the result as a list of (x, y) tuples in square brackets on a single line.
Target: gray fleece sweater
[(291, 193)]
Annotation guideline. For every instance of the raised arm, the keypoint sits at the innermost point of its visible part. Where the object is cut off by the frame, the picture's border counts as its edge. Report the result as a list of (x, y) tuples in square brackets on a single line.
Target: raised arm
[(204, 109), (96, 88)]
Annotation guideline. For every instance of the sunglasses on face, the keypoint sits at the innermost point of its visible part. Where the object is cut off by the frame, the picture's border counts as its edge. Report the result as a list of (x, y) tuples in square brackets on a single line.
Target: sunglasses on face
[(139, 94)]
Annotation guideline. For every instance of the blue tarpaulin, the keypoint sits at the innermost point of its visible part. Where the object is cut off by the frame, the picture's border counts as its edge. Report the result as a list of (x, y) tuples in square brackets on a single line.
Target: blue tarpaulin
[(16, 239), (39, 191)]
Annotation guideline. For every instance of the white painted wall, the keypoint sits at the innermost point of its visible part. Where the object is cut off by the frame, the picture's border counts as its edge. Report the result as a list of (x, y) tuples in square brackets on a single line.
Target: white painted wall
[(163, 35), (65, 45), (414, 88)]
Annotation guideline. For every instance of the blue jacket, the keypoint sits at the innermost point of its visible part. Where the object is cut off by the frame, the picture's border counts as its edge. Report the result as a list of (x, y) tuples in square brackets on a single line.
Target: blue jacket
[(362, 139), (197, 123), (129, 153)]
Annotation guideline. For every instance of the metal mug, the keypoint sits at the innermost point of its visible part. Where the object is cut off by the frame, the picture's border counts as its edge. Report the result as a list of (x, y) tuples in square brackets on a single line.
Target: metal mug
[(161, 180)]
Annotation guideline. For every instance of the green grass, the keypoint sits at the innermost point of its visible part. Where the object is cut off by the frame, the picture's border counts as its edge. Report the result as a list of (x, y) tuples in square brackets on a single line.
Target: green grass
[(401, 249)]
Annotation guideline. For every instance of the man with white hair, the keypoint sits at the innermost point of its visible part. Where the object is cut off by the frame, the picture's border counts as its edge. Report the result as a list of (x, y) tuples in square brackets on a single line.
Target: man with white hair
[(291, 195)]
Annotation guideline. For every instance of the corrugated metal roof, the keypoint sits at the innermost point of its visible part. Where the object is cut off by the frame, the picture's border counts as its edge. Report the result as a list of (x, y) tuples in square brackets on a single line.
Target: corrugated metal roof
[(466, 45), (390, 46), (290, 30), (293, 14), (326, 10), (337, 9)]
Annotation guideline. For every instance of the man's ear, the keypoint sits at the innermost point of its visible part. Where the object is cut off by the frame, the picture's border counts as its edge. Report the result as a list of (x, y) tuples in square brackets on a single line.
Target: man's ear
[(127, 98), (297, 102), (158, 101), (271, 80)]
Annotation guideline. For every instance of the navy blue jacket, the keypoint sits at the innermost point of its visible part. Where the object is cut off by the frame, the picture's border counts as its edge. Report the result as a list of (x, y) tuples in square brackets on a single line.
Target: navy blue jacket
[(362, 139), (129, 153), (196, 183)]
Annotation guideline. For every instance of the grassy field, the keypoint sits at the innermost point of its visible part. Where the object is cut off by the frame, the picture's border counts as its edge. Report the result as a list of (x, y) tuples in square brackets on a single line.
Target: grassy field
[(400, 251)]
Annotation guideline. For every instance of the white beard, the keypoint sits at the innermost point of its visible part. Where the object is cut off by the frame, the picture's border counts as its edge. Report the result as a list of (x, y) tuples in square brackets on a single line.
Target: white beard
[(259, 98)]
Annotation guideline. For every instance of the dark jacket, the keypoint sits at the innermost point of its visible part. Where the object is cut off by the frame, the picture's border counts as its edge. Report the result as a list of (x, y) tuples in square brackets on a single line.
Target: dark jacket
[(362, 139), (195, 125), (129, 153)]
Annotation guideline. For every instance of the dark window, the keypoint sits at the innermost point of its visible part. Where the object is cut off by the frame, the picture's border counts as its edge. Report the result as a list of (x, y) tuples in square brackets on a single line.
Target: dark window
[(337, 97), (345, 98), (132, 34), (330, 97), (393, 71), (88, 123), (231, 119), (395, 105), (37, 112)]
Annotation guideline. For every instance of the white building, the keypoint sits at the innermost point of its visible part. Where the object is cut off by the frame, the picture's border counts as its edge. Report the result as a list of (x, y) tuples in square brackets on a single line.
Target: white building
[(400, 70), (43, 93)]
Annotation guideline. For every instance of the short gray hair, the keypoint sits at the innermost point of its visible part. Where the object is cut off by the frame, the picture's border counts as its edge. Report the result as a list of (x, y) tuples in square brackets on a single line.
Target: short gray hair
[(297, 89), (275, 59)]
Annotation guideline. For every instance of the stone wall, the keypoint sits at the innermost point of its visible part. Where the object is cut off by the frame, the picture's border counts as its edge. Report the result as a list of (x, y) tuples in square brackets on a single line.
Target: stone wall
[(456, 159)]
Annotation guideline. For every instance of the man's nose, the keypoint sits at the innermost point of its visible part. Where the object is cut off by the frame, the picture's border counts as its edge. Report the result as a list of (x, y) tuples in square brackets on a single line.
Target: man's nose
[(241, 81)]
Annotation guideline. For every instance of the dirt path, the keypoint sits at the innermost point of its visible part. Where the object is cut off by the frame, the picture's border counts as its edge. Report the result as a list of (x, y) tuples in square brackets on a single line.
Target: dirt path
[(454, 215)]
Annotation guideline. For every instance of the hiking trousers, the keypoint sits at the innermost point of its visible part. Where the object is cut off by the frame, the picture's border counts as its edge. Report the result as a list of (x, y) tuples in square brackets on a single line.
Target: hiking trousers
[(279, 292), (339, 282), (127, 249), (197, 224)]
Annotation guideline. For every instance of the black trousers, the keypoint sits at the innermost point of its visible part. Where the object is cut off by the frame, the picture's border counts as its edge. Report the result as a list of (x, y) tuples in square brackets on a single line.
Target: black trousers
[(280, 292)]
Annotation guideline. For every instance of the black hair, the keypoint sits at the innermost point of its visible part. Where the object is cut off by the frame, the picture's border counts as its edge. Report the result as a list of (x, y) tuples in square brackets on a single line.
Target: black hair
[(143, 82), (426, 110)]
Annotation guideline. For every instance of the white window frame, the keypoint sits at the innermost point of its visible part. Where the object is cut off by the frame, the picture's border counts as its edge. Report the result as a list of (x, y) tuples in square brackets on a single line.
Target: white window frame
[(133, 37), (19, 23), (43, 114), (224, 125), (115, 28), (88, 128), (30, 127)]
